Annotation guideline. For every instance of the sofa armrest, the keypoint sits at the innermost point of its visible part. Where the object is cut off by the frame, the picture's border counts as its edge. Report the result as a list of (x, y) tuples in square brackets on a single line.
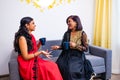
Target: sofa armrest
[(106, 54), (13, 69)]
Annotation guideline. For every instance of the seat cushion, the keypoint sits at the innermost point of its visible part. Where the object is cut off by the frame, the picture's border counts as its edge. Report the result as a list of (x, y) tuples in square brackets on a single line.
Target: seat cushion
[(96, 60), (99, 69)]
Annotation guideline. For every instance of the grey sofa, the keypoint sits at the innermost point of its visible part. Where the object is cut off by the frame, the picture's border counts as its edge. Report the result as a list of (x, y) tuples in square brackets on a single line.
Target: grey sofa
[(100, 59)]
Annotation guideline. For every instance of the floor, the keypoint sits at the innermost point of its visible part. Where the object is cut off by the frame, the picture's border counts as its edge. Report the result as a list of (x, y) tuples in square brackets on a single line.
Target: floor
[(114, 77)]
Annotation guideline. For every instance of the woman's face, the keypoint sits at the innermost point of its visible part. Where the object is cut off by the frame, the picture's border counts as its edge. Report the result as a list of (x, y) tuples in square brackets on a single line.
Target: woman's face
[(31, 26), (71, 24)]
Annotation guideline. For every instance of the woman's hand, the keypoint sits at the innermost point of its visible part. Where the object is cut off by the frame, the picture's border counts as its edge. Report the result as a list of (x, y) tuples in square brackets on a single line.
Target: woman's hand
[(73, 45), (55, 47), (80, 48), (46, 53)]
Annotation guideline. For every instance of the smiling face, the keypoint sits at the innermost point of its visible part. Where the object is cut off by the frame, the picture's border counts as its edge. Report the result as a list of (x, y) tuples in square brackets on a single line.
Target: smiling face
[(31, 26), (71, 24)]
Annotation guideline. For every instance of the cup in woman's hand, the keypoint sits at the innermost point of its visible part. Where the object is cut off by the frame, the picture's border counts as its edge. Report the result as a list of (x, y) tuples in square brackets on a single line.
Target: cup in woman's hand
[(42, 40), (66, 45)]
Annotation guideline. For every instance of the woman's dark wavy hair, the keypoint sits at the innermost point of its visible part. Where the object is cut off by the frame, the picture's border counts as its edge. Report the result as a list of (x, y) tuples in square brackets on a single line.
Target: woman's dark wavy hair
[(77, 20), (23, 31)]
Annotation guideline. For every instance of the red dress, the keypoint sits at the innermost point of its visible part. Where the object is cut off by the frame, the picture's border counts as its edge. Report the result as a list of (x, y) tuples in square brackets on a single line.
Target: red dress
[(37, 68)]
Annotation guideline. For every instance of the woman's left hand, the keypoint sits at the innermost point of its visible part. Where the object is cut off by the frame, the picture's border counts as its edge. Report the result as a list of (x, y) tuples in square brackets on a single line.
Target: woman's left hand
[(47, 54)]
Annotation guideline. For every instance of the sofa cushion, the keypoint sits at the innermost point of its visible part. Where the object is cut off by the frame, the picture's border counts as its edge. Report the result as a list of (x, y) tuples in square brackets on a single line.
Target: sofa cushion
[(96, 60), (99, 69)]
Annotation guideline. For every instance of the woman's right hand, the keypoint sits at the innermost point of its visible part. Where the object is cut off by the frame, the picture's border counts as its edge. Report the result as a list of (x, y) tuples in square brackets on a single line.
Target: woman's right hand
[(55, 47)]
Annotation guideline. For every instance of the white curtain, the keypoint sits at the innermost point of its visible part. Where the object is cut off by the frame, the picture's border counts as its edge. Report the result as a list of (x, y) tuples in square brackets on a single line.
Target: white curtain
[(116, 37)]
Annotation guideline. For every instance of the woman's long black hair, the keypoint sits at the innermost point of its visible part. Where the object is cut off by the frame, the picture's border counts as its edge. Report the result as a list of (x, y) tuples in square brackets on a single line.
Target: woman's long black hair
[(77, 20), (23, 31)]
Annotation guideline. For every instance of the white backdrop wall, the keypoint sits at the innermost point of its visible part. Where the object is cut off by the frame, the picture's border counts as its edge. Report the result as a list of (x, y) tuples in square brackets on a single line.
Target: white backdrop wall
[(50, 23), (116, 37)]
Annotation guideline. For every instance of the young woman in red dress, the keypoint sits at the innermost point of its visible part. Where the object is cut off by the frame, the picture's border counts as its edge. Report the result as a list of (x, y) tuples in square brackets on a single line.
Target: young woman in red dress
[(31, 66)]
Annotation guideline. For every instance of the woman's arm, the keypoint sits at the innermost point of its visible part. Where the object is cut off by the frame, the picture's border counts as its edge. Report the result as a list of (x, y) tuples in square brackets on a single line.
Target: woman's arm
[(39, 44), (85, 42), (84, 45), (24, 50)]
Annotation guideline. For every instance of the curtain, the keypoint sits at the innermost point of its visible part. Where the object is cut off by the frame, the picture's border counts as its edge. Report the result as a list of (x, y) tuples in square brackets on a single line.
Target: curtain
[(102, 26)]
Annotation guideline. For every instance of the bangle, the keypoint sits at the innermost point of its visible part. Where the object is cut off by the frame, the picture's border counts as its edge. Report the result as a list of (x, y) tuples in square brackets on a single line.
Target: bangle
[(83, 48), (34, 55)]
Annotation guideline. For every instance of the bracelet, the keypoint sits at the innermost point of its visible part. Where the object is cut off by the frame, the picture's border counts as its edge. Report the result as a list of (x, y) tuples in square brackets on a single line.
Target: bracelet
[(34, 55), (83, 48)]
